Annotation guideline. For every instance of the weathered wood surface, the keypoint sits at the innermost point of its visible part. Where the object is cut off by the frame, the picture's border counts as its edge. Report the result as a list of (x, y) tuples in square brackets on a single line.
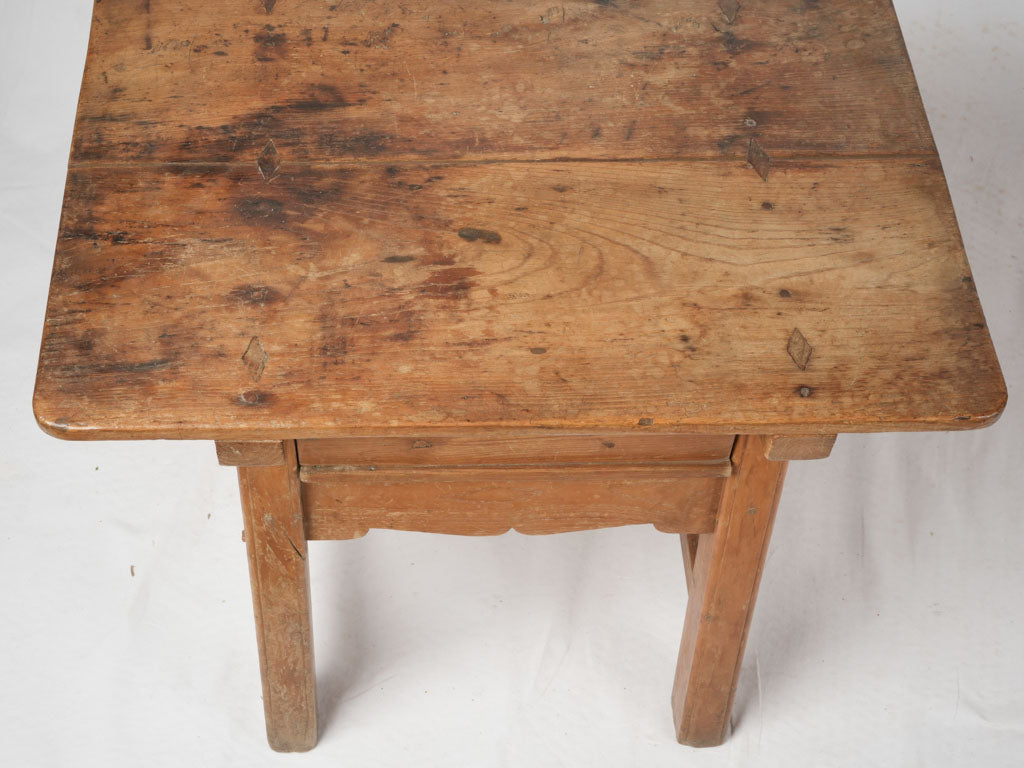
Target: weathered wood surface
[(216, 80), (206, 302), (266, 453), (723, 584), (514, 449), (799, 447), (345, 503), (279, 571)]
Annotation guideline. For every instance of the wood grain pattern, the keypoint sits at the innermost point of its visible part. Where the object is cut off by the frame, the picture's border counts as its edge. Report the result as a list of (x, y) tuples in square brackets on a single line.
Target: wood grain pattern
[(579, 296), (723, 589), (217, 80), (279, 571), (799, 447), (265, 453), (512, 449), (342, 504)]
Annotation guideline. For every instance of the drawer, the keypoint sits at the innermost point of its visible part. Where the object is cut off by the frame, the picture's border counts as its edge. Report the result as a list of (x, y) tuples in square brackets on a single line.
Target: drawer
[(341, 503), (514, 449)]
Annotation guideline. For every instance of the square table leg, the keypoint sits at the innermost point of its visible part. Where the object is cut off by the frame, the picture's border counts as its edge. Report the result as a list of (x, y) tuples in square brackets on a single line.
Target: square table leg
[(276, 543), (726, 571)]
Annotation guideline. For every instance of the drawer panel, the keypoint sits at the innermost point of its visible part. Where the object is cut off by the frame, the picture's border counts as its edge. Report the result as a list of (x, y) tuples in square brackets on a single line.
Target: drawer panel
[(345, 503), (514, 449)]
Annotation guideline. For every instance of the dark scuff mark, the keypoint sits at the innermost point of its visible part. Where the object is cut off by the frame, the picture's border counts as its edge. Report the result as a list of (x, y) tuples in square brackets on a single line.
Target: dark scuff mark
[(270, 39), (399, 259), (141, 367), (381, 37), (402, 336), (561, 188), (323, 97), (758, 158), (799, 349), (785, 293), (261, 210), (453, 282), (767, 205), (269, 5), (607, 443), (255, 294), (538, 350), (726, 142), (334, 348), (363, 144), (473, 234), (645, 422), (732, 43), (422, 444)]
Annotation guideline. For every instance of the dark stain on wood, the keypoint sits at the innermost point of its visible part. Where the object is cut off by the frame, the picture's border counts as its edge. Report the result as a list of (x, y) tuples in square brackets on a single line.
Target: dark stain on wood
[(538, 350), (270, 45), (322, 97), (645, 422), (359, 145), (255, 294), (453, 282), (398, 259), (473, 234), (732, 43), (381, 38), (261, 210), (146, 366)]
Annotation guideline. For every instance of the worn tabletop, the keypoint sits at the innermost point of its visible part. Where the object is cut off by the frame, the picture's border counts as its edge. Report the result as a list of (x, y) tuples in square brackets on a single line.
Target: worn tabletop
[(303, 219)]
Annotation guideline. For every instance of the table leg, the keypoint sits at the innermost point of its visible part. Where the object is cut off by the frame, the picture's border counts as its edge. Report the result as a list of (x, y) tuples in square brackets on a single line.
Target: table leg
[(726, 572), (276, 544)]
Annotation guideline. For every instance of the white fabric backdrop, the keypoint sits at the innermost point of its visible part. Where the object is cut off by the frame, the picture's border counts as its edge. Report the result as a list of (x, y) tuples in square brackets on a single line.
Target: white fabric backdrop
[(890, 628)]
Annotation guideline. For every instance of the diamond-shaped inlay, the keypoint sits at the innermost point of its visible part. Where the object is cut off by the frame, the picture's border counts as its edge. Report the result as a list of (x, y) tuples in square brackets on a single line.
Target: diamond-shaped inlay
[(270, 161), (758, 157), (255, 358), (799, 349), (729, 9)]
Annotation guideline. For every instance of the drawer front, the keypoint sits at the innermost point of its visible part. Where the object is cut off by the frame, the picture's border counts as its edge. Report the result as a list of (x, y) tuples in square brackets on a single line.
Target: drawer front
[(511, 450), (343, 504)]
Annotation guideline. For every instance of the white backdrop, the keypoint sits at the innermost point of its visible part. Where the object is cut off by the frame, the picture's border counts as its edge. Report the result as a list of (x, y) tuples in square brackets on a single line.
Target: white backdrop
[(890, 627)]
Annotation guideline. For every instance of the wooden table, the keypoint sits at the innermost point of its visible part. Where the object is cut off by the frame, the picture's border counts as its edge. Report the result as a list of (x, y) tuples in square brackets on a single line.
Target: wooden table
[(465, 267)]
